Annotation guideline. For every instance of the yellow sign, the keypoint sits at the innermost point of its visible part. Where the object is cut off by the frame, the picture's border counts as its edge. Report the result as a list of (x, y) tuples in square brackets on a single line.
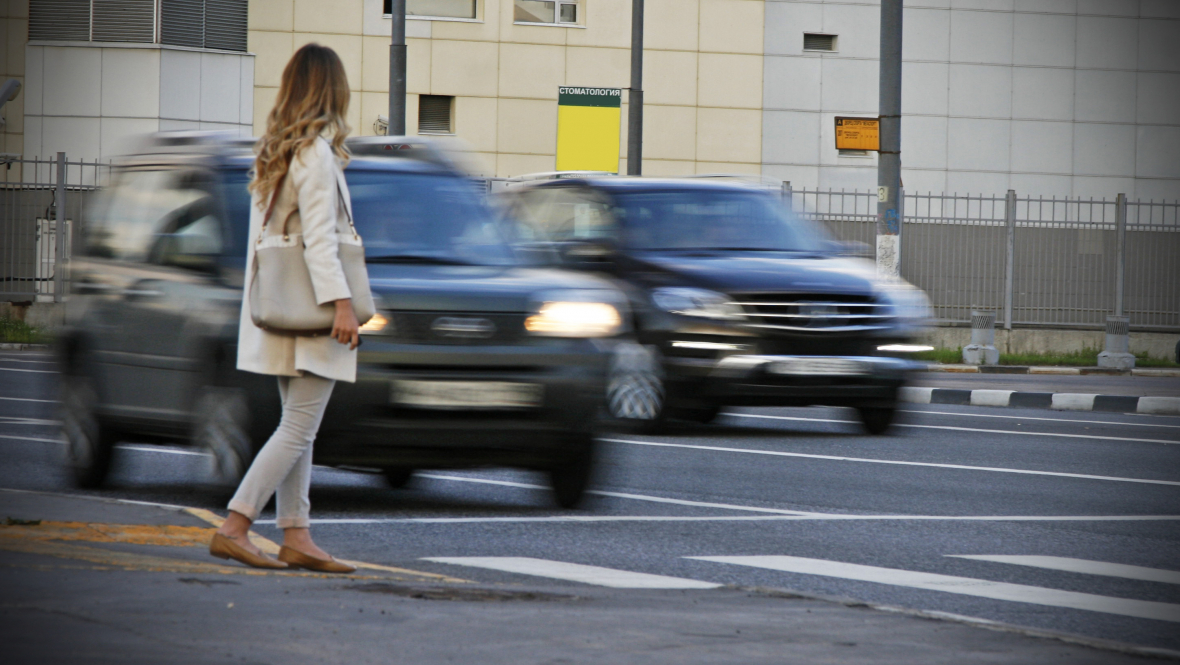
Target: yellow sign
[(588, 128), (858, 133)]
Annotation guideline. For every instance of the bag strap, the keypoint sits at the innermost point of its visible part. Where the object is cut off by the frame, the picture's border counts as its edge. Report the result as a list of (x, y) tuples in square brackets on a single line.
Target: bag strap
[(274, 199)]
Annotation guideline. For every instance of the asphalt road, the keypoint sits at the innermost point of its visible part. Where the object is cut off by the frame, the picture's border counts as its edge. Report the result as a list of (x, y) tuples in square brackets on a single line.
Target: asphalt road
[(798, 499)]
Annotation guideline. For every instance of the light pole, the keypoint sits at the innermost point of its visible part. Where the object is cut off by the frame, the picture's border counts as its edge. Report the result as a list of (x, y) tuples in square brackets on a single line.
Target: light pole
[(397, 70), (635, 93), (889, 199)]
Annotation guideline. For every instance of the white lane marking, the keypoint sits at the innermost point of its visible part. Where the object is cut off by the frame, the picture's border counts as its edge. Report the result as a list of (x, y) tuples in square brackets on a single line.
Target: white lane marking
[(33, 371), (11, 420), (990, 397), (1073, 401), (1054, 420), (620, 495), (739, 518), (31, 438), (966, 586), (1081, 566), (836, 458), (28, 399), (965, 429), (170, 451), (38, 362), (574, 572)]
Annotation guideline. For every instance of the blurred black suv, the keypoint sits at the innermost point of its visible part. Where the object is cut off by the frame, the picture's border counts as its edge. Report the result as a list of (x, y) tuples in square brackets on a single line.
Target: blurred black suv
[(473, 358), (736, 301)]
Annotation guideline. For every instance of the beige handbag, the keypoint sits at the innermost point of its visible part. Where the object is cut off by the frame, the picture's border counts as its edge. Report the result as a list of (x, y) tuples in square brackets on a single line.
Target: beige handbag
[(282, 297)]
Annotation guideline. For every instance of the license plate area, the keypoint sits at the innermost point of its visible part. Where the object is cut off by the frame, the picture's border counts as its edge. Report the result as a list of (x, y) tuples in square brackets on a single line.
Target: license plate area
[(818, 367), (465, 394)]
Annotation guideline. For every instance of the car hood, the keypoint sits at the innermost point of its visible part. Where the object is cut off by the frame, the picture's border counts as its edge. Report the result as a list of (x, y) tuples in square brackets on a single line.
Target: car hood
[(469, 288), (753, 272)]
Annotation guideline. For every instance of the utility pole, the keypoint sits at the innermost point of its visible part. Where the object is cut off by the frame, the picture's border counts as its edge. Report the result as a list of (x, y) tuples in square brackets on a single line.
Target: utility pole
[(397, 70), (635, 93), (889, 199)]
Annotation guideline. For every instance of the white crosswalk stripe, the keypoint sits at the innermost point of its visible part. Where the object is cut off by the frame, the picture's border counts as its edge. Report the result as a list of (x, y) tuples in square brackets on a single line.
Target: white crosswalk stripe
[(574, 572), (1081, 566), (959, 585)]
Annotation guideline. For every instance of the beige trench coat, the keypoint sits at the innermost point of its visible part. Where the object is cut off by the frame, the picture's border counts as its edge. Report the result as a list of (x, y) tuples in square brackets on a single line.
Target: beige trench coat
[(315, 195)]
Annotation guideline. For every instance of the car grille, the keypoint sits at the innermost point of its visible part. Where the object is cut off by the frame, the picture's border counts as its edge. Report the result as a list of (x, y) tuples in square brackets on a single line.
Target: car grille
[(794, 312), (460, 328)]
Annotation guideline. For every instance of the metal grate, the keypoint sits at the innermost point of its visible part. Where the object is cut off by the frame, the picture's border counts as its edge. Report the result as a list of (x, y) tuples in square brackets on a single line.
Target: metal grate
[(412, 327), (225, 24), (815, 42), (434, 114), (812, 312), (59, 20), (182, 23), (125, 21)]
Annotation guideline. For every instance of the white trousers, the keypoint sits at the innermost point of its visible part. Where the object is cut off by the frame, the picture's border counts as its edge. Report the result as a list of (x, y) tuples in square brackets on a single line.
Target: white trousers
[(284, 463)]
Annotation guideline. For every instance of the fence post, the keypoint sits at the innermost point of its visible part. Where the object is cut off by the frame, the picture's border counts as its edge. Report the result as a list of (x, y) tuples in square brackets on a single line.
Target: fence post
[(1010, 223), (1120, 225), (59, 222), (788, 195)]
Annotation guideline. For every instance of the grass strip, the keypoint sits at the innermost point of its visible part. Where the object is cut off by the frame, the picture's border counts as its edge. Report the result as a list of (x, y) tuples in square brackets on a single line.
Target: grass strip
[(15, 331)]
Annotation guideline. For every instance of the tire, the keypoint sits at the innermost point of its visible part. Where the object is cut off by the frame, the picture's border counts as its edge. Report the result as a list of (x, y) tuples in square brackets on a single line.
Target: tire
[(877, 419), (398, 476), (635, 392), (221, 427), (570, 476), (90, 443)]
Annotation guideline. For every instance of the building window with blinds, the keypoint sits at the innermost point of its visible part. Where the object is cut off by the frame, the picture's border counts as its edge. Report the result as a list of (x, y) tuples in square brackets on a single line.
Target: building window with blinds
[(436, 114), (206, 24), (446, 9)]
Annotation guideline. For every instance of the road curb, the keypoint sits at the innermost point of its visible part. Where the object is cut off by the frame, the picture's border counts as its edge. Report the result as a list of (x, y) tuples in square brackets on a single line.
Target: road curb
[(12, 346), (1052, 370), (1159, 406)]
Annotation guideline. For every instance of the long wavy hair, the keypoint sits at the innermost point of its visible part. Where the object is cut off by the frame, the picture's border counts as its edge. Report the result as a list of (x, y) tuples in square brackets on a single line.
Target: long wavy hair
[(313, 99)]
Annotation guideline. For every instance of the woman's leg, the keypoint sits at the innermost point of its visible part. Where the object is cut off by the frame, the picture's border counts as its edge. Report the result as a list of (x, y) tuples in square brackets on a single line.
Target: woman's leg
[(285, 460)]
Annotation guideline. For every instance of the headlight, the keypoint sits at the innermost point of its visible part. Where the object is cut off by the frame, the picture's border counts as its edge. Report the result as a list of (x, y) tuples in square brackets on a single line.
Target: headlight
[(577, 314), (696, 302), (909, 303), (376, 326)]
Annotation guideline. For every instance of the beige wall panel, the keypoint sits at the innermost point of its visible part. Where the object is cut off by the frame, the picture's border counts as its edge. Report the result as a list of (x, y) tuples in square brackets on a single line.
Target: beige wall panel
[(372, 105), (340, 17), (608, 23), (353, 117), (527, 126), (525, 33), (375, 65), (671, 24), (669, 77), (14, 144), (484, 163), (411, 115), (729, 135), (264, 101), (486, 29), (17, 36), (348, 47), (729, 167), (464, 68), (732, 26), (665, 167), (509, 165), (5, 46), (528, 70), (475, 122), (732, 81), (271, 52), (271, 15), (18, 8), (598, 67), (14, 112), (669, 132)]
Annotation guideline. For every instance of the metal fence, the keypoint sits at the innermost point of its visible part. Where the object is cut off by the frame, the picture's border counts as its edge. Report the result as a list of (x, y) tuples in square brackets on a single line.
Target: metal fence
[(40, 201), (1034, 261)]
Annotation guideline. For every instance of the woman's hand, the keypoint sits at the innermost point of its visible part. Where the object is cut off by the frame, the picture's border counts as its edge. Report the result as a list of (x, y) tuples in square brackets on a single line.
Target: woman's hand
[(345, 328)]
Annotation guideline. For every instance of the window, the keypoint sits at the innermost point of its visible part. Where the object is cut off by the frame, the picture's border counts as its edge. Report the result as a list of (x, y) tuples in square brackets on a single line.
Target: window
[(143, 206), (436, 114), (552, 12), (435, 8), (817, 42)]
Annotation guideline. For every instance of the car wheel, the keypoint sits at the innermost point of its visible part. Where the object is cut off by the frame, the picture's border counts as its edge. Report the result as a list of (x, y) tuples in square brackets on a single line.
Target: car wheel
[(398, 476), (877, 419), (221, 427), (635, 386), (89, 444), (570, 476)]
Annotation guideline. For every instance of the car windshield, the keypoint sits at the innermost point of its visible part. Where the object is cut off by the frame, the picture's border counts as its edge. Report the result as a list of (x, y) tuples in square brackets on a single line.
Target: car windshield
[(712, 220), (412, 218)]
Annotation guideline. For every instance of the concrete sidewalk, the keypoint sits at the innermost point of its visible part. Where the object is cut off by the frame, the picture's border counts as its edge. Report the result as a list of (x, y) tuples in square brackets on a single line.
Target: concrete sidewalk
[(1078, 392), (142, 589)]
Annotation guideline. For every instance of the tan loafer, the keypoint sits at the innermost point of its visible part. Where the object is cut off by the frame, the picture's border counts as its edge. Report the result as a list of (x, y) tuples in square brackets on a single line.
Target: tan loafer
[(225, 548), (296, 559)]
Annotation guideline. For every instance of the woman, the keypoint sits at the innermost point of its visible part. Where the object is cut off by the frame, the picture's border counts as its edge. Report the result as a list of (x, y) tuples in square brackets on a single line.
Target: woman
[(300, 172)]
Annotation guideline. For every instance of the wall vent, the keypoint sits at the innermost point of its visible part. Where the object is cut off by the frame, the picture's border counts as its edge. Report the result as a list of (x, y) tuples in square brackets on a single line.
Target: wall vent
[(225, 25), (59, 20), (817, 42), (124, 21), (211, 24), (435, 114), (182, 22)]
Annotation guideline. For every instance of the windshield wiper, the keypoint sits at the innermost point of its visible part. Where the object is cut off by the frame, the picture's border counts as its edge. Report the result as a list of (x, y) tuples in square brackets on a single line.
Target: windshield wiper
[(421, 259)]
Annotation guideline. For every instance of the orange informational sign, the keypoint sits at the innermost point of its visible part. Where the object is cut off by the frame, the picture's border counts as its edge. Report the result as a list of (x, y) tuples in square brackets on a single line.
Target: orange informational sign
[(858, 133)]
